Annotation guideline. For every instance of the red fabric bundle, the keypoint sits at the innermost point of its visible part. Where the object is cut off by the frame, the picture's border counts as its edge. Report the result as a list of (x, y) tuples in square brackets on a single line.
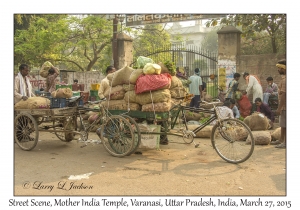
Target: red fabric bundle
[(245, 106), (145, 83)]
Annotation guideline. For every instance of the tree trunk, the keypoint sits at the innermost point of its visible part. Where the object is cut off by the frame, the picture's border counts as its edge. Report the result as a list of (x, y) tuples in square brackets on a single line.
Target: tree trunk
[(273, 44)]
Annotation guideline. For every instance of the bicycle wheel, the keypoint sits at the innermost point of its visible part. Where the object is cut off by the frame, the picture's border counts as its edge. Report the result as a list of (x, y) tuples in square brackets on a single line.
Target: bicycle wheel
[(228, 139), (137, 133), (26, 131), (117, 136)]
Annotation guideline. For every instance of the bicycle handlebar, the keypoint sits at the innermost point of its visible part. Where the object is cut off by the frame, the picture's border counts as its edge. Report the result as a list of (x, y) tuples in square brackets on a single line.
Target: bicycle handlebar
[(96, 102)]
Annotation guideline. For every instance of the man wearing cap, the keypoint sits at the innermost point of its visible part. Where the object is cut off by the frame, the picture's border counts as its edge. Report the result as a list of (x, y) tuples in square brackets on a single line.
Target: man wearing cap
[(195, 88), (281, 110)]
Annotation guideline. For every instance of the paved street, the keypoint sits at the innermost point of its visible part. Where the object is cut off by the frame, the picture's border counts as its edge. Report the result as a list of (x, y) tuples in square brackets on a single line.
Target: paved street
[(176, 169)]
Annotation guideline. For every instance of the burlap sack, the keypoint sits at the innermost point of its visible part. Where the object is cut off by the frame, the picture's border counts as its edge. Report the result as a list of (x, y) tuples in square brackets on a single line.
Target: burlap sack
[(22, 105), (64, 93), (192, 116), (204, 133), (257, 122), (115, 93), (207, 97), (236, 133), (175, 102), (276, 135), (164, 69), (260, 138), (158, 107), (175, 82), (128, 87), (33, 103), (178, 92), (146, 98), (135, 75), (45, 68), (210, 106), (120, 105), (120, 77), (53, 94)]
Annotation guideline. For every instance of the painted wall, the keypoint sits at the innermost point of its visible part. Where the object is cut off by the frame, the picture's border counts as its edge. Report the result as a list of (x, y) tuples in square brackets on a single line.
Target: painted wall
[(86, 78)]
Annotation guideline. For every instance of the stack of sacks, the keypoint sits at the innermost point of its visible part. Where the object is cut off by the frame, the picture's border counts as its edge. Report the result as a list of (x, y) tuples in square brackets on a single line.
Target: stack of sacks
[(119, 82), (177, 90), (151, 89), (147, 88)]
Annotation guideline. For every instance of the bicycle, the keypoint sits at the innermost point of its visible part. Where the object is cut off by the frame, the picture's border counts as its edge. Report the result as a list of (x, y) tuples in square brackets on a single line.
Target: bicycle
[(228, 135), (116, 132)]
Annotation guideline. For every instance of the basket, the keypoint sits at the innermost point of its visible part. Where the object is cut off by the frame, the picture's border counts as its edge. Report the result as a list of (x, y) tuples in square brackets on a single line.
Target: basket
[(58, 103), (63, 86), (95, 86)]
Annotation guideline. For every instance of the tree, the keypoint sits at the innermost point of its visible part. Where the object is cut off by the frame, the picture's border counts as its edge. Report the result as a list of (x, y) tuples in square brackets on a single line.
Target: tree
[(252, 24), (210, 41), (77, 41), (150, 38)]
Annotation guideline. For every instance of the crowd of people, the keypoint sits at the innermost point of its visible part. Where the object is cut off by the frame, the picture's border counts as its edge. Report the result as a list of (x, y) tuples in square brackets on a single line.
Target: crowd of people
[(23, 90), (260, 100)]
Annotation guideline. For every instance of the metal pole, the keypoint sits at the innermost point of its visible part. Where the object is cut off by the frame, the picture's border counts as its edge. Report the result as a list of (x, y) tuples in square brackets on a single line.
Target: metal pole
[(114, 44)]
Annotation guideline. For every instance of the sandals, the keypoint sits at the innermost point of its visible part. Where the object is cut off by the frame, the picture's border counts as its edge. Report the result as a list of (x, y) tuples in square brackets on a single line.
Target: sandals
[(275, 142), (281, 146)]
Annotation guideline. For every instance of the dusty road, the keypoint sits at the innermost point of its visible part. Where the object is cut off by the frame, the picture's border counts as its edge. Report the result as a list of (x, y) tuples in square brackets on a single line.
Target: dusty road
[(176, 169)]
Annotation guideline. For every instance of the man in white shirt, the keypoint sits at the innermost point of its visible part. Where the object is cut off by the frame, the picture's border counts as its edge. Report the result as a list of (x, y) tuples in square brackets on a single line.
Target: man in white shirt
[(253, 83), (23, 88)]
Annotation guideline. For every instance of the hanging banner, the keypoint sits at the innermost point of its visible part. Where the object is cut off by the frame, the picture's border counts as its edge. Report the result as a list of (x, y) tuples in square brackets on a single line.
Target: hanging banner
[(144, 19)]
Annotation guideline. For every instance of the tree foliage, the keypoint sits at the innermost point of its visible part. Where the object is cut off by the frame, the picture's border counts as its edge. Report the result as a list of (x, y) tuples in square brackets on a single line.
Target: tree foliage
[(210, 41), (150, 38), (76, 42), (253, 24)]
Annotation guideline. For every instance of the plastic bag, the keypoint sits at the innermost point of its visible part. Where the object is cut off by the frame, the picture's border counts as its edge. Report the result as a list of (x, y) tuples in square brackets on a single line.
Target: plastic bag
[(142, 61)]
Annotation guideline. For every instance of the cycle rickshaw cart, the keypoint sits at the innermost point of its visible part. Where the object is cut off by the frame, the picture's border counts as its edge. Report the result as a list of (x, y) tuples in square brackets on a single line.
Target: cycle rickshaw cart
[(63, 123), (228, 136)]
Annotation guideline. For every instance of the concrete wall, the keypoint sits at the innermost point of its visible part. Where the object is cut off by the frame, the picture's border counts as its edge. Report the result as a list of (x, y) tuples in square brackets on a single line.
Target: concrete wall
[(229, 48), (261, 65)]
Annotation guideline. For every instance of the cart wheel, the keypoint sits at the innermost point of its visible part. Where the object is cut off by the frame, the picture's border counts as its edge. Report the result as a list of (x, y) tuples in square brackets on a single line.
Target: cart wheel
[(61, 125), (26, 131), (117, 136), (137, 133)]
